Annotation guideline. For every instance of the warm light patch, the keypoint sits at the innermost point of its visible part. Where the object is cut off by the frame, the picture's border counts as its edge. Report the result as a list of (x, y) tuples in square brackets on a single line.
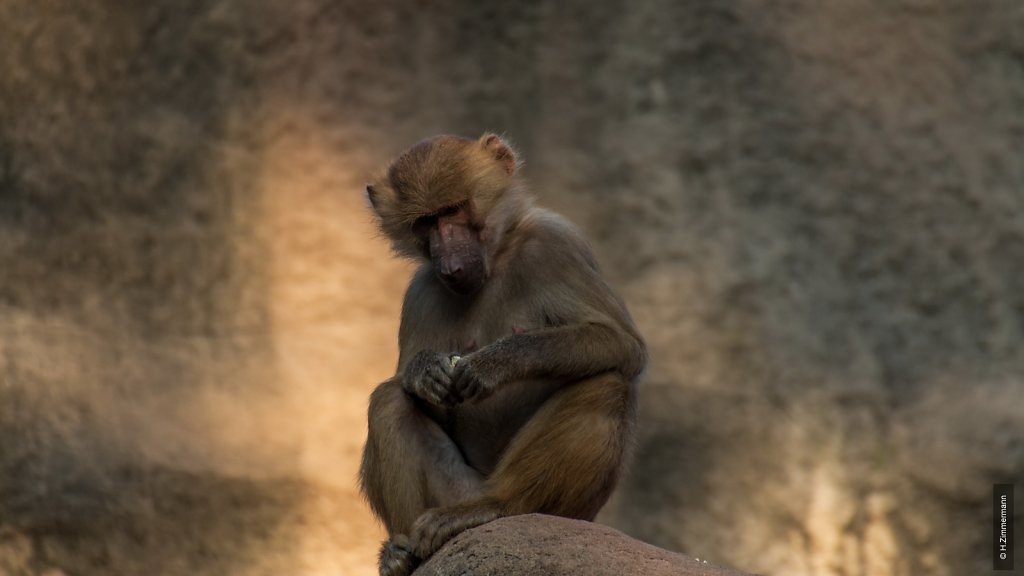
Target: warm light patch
[(335, 295)]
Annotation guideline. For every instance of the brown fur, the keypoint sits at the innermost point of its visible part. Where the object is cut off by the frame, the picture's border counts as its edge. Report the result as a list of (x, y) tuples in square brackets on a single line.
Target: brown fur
[(538, 413)]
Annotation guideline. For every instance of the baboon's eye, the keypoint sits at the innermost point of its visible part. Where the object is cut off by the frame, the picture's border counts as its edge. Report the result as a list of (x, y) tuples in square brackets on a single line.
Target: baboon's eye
[(421, 227), (450, 210)]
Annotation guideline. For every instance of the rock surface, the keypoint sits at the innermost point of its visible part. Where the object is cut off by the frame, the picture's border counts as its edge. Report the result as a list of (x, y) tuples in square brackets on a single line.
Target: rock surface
[(815, 211), (536, 544)]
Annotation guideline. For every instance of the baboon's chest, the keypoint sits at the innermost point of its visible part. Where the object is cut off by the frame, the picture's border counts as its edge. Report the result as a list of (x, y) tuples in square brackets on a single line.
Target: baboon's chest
[(484, 430), (491, 319)]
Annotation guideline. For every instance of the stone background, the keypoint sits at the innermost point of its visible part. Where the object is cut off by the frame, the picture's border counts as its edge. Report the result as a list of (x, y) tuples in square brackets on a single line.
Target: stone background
[(814, 209)]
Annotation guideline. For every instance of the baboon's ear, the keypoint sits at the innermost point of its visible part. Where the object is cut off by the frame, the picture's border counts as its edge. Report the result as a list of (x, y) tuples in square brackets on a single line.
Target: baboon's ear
[(500, 151), (373, 196)]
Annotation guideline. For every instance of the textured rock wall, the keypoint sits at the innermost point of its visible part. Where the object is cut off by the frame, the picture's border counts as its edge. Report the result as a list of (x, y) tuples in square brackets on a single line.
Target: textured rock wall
[(815, 211)]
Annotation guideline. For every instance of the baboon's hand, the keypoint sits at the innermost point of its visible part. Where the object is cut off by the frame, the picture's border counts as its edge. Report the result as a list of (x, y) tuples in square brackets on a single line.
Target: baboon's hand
[(429, 376), (473, 380)]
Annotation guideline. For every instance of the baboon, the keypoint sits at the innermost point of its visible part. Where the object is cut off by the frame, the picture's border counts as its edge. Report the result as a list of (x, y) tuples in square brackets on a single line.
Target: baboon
[(516, 383)]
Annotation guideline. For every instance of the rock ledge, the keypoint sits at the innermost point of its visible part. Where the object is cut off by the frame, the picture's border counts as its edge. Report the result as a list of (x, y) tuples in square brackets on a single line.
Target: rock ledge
[(548, 545)]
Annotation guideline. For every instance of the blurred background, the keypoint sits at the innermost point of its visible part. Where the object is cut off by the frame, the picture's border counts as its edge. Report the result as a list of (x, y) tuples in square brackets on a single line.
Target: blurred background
[(815, 211)]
